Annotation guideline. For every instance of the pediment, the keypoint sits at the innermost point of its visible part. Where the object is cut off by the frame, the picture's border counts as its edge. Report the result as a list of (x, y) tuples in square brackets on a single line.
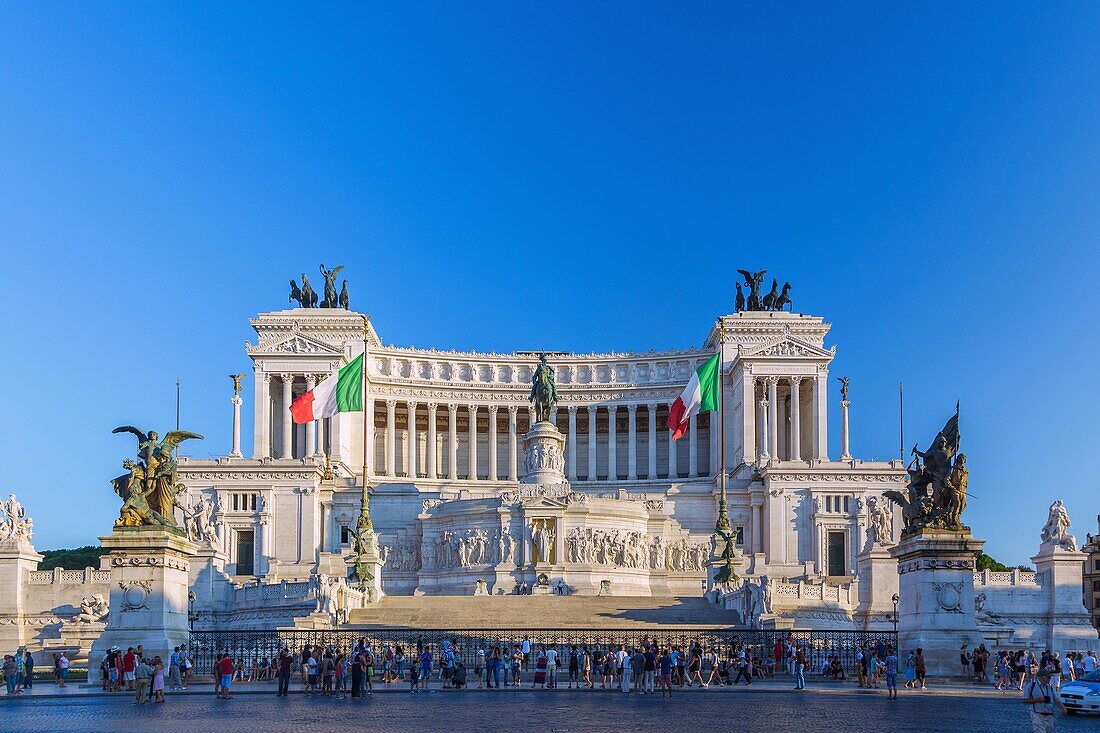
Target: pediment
[(789, 346), (544, 502), (295, 343)]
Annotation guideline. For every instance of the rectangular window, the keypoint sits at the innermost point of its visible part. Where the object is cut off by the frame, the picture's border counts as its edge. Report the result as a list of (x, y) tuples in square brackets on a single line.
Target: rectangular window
[(253, 502), (1096, 585), (246, 552), (345, 535), (236, 498), (739, 536), (837, 566), (845, 504)]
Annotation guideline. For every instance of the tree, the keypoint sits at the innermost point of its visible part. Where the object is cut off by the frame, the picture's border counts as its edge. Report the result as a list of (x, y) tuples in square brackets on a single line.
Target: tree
[(73, 559), (985, 562)]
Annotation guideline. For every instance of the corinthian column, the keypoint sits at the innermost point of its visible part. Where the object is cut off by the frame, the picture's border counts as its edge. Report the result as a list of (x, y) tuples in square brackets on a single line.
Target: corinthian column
[(311, 426), (391, 437), (693, 445), (452, 442), (673, 471), (651, 416), (592, 442), (286, 449), (796, 420), (472, 430), (632, 449), (430, 446), (612, 444), (764, 429), (571, 467), (513, 410), (773, 418), (236, 451), (845, 454), (492, 442), (410, 449)]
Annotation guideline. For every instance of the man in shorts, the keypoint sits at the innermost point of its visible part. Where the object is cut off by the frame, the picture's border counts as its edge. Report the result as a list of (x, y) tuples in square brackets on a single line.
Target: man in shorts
[(891, 673), (225, 675)]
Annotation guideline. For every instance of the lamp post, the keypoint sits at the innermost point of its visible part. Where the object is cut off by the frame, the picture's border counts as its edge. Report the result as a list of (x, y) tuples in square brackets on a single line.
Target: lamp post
[(895, 598), (191, 610)]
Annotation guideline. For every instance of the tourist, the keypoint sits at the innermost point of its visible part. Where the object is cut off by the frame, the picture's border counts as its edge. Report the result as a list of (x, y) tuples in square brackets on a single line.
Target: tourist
[(681, 667), (710, 667), (695, 666), (517, 664), (399, 660), (627, 674), (861, 666), (62, 669), (1067, 668), (414, 677), (637, 668), (425, 667), (28, 670), (574, 668), (649, 669), (447, 664), (799, 668), (224, 671), (835, 670), (525, 647), (185, 665), (327, 668), (143, 675), (745, 670), (1039, 695), (158, 680), (891, 666), (458, 676), (285, 664), (479, 665), (920, 667), (19, 670), (664, 669), (175, 680), (1088, 663), (539, 679), (368, 671), (10, 673)]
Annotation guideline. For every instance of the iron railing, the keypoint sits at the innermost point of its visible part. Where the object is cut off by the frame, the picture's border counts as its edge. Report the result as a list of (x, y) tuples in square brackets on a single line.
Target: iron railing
[(253, 646)]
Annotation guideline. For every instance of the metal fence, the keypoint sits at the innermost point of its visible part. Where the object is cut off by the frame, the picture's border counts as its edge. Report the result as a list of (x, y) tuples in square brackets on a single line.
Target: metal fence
[(254, 646)]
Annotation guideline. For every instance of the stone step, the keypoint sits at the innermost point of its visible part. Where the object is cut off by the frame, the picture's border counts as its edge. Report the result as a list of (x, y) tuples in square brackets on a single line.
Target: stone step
[(539, 612)]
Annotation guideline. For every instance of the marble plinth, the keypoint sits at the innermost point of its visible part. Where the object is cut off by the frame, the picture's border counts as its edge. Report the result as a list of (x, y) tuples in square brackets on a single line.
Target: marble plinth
[(149, 584), (1068, 625), (877, 571), (543, 455), (936, 586)]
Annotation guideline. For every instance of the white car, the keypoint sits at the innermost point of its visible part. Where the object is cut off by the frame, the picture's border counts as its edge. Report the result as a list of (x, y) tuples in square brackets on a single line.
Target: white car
[(1082, 695)]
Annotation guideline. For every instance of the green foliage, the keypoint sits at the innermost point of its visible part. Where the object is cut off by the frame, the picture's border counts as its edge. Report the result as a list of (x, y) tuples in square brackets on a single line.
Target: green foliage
[(74, 559), (985, 562)]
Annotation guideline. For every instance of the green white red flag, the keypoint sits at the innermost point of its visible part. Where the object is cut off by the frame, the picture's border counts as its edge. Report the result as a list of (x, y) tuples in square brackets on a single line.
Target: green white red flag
[(700, 394), (340, 392)]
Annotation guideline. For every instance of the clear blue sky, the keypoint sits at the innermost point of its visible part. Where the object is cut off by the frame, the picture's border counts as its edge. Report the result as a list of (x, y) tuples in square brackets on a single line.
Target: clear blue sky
[(927, 178)]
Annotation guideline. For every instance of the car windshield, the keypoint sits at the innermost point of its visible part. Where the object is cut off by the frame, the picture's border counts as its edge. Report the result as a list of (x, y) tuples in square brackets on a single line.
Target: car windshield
[(1090, 677)]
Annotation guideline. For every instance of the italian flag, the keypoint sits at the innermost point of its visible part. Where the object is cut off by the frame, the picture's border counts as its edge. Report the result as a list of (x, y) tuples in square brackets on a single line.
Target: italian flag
[(701, 393), (340, 392)]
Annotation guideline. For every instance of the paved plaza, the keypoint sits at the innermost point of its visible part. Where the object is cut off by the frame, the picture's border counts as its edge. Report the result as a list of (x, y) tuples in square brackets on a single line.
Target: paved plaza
[(564, 711)]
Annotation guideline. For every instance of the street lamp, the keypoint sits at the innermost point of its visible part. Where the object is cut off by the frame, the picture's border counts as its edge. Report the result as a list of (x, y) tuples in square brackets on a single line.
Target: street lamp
[(191, 609), (895, 598)]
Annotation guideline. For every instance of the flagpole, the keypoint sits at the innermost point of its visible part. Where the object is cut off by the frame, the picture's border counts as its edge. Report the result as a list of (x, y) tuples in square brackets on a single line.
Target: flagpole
[(365, 522)]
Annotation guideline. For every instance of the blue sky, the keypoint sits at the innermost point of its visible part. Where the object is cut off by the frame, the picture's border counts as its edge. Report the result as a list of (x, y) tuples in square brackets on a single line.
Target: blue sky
[(554, 176)]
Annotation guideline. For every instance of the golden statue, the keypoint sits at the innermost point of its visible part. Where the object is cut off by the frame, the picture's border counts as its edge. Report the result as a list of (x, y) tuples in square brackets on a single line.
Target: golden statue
[(149, 490), (236, 382)]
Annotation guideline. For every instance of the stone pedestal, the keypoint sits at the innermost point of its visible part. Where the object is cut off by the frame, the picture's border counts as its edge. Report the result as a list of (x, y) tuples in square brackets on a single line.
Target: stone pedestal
[(1059, 571), (368, 568), (877, 571), (17, 559), (149, 585), (212, 586), (936, 585), (543, 455)]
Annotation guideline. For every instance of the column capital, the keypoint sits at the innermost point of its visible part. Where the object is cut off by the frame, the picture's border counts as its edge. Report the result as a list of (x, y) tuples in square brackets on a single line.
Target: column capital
[(311, 380), (572, 409), (431, 406), (513, 410), (265, 377), (795, 380), (412, 404), (651, 406), (391, 403), (771, 381), (845, 404), (632, 408), (452, 408), (592, 409), (472, 409), (286, 376), (493, 409), (612, 408)]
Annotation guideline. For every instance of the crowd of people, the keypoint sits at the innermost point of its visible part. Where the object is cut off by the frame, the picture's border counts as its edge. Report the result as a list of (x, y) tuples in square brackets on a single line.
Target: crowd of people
[(19, 669)]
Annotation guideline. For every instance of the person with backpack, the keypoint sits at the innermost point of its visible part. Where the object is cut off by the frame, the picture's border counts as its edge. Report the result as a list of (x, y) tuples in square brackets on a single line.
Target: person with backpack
[(574, 668), (800, 669), (1039, 695)]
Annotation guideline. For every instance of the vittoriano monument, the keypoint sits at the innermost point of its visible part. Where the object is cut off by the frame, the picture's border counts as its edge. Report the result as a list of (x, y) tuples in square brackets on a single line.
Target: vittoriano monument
[(306, 297), (544, 445)]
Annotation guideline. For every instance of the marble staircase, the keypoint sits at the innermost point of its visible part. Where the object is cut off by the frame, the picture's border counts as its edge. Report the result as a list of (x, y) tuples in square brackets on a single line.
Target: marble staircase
[(541, 612)]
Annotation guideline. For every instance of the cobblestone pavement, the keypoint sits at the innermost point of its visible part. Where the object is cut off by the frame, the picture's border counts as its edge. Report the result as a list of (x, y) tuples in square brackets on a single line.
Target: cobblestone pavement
[(561, 711)]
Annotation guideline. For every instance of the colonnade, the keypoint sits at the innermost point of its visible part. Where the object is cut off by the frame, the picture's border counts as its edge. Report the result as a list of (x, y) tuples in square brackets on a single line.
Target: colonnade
[(597, 446)]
